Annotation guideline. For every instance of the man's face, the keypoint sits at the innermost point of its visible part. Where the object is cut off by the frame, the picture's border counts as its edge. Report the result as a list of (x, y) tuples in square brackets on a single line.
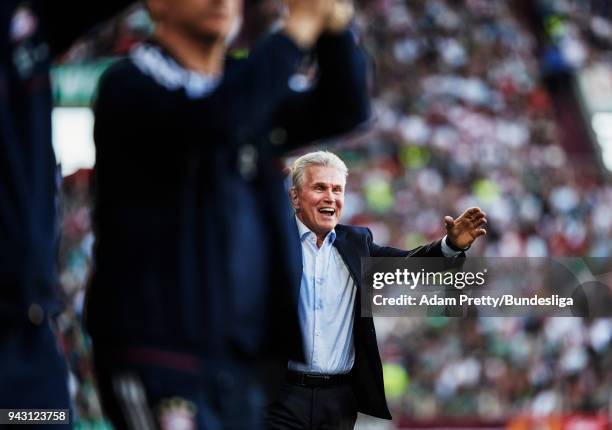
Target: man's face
[(203, 19), (319, 200)]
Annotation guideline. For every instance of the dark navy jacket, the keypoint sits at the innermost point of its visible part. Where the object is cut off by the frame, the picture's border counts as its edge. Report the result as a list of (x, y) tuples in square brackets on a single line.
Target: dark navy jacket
[(31, 33), (196, 245), (354, 243)]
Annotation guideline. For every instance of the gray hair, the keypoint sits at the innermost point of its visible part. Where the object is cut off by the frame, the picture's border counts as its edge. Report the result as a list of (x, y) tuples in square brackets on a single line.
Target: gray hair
[(318, 158)]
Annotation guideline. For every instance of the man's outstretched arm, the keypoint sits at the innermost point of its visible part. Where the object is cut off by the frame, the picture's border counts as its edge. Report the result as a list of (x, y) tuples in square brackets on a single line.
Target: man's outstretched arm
[(460, 234)]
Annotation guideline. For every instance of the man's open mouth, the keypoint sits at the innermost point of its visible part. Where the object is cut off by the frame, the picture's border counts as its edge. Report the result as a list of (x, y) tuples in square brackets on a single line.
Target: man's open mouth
[(327, 211)]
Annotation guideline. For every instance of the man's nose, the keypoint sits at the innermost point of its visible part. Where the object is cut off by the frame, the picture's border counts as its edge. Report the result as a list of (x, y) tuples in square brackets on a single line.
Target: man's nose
[(329, 196)]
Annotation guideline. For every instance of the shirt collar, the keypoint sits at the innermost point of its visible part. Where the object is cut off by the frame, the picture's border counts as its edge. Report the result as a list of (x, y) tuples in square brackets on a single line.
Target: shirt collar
[(305, 232), (154, 60)]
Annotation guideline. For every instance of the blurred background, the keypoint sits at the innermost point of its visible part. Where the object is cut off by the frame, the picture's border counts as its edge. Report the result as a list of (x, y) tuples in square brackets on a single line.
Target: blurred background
[(502, 104)]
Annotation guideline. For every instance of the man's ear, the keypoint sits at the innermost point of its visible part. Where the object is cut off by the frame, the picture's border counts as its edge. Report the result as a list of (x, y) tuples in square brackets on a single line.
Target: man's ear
[(293, 195)]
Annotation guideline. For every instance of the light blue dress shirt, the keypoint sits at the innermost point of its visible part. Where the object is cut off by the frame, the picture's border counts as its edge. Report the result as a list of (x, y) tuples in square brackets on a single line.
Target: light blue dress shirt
[(327, 305)]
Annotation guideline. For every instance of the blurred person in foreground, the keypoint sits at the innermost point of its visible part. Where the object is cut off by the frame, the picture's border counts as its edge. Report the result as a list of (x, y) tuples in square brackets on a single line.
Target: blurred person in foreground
[(196, 271), (342, 374), (32, 33)]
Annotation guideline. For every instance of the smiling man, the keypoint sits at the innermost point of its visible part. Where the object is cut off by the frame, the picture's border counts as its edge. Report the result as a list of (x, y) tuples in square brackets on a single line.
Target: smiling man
[(342, 374)]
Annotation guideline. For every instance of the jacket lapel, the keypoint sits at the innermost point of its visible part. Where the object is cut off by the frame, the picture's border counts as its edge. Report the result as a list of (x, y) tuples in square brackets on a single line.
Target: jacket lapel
[(349, 255)]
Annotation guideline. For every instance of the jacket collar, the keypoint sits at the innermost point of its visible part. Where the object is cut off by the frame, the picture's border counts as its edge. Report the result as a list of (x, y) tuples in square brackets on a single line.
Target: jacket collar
[(154, 60), (348, 252)]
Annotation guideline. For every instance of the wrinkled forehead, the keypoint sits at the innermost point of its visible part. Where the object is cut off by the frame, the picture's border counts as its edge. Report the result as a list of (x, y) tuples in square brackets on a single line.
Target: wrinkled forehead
[(327, 175)]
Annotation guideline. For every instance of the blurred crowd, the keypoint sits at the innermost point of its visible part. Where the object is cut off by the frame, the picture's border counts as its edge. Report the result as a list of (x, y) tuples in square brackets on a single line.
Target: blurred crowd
[(461, 118), (496, 368), (576, 33)]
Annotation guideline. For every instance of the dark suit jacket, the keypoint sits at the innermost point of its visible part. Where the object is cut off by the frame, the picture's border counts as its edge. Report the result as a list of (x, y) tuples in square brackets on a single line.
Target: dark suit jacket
[(353, 243), (195, 242)]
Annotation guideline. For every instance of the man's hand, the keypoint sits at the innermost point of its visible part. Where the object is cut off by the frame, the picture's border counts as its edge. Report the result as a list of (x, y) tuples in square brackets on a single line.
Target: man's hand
[(461, 232), (341, 16), (307, 19)]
